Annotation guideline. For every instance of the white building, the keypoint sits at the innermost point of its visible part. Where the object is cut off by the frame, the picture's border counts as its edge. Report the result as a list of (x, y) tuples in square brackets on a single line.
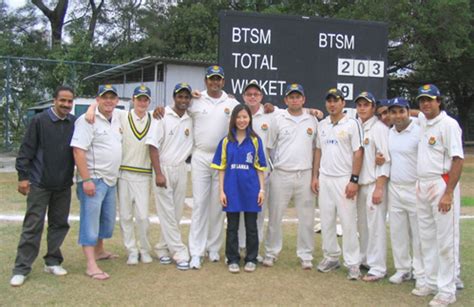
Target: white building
[(160, 74)]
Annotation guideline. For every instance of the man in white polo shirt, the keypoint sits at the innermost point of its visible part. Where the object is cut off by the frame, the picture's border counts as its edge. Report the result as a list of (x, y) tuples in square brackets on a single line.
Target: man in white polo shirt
[(97, 152), (171, 142), (133, 185), (292, 136), (403, 142), (372, 196), (337, 164), (210, 114), (440, 161)]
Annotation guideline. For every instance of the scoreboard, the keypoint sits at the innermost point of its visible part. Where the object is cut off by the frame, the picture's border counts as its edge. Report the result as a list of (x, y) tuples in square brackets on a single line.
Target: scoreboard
[(318, 53)]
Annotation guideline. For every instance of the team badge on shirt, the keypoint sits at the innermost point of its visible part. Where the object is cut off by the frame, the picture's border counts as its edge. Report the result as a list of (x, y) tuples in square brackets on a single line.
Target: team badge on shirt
[(249, 158), (264, 127), (432, 140), (366, 141), (186, 132), (309, 131), (341, 134), (227, 111)]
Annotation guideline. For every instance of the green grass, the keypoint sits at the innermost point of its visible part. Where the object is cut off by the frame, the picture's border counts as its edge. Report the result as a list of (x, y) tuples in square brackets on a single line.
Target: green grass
[(467, 201), (155, 284)]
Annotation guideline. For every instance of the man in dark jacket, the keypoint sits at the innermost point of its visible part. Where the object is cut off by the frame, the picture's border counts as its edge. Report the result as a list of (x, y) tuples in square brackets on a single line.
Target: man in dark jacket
[(45, 166)]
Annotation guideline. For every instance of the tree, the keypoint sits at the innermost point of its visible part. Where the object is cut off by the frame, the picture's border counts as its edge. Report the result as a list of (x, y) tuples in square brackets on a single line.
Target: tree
[(56, 19)]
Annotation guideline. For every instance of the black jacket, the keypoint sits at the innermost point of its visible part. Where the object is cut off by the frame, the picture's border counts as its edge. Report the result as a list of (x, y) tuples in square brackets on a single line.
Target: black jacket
[(45, 157)]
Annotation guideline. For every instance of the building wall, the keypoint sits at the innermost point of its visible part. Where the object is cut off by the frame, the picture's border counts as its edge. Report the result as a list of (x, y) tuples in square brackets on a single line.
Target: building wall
[(162, 92), (126, 90), (193, 75)]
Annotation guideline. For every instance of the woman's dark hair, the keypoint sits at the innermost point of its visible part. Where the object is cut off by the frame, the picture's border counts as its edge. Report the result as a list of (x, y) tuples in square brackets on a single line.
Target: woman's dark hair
[(233, 118), (62, 88)]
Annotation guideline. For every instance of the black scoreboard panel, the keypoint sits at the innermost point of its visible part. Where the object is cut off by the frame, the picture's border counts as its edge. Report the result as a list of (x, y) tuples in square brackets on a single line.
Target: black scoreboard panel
[(318, 53)]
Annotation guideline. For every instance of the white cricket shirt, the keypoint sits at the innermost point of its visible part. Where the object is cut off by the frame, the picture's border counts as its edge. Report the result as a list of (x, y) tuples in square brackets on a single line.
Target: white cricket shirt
[(172, 136), (338, 142)]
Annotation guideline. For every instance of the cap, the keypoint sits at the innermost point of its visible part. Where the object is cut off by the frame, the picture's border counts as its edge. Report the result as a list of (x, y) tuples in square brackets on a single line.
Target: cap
[(214, 71), (142, 90), (182, 86), (428, 90), (106, 88), (367, 96), (294, 87), (383, 103), (253, 83), (399, 102), (334, 92)]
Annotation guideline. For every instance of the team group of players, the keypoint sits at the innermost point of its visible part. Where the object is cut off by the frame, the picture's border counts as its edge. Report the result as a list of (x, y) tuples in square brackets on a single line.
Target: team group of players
[(360, 168)]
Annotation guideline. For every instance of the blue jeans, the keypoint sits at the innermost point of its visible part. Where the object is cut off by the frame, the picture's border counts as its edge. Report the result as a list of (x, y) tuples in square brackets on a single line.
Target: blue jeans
[(97, 213)]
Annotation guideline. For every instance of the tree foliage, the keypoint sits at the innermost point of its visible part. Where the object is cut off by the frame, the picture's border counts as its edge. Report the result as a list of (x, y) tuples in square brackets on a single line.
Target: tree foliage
[(429, 40)]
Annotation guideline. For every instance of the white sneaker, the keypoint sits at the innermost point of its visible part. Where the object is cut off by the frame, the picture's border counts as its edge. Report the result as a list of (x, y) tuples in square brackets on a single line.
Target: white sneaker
[(268, 262), (234, 268), (195, 262), (442, 299), (182, 265), (423, 291), (132, 259), (327, 265), (146, 258), (17, 280), (306, 265), (400, 277), (55, 270), (250, 267), (165, 260), (214, 257), (354, 272)]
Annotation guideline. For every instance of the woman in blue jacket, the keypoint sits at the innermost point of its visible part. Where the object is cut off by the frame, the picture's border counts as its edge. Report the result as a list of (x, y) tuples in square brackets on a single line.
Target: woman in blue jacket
[(240, 159)]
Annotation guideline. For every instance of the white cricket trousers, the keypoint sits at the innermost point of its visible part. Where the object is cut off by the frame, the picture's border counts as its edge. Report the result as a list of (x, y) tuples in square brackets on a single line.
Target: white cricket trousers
[(376, 216), (439, 234), (207, 224), (169, 207), (134, 200), (260, 218), (283, 187), (333, 203), (404, 234)]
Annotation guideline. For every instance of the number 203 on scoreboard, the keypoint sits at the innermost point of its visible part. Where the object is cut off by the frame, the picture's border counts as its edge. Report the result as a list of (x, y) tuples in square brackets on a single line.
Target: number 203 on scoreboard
[(360, 68)]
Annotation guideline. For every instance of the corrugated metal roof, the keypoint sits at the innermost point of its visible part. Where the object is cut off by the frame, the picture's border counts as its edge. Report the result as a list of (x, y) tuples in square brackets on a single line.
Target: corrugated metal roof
[(146, 61)]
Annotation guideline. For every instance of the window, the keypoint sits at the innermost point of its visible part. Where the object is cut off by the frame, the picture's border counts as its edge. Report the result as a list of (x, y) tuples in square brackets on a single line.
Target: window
[(149, 73), (134, 76)]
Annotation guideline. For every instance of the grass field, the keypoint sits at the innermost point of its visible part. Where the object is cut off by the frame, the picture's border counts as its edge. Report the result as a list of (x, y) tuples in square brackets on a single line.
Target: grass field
[(155, 284)]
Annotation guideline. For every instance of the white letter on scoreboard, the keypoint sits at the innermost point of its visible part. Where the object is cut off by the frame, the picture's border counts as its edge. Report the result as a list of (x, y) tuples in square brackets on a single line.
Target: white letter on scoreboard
[(323, 42), (345, 67), (235, 35)]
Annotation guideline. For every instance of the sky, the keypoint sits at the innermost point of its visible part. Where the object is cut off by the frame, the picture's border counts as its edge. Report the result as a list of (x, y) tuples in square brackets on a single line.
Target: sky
[(15, 3)]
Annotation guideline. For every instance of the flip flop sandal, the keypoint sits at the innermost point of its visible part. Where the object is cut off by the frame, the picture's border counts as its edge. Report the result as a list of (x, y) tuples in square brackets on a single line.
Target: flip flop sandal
[(95, 276), (108, 256), (372, 278)]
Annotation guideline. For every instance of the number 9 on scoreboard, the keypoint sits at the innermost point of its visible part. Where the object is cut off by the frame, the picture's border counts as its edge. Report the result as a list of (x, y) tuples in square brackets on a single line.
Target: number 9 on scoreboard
[(347, 90)]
